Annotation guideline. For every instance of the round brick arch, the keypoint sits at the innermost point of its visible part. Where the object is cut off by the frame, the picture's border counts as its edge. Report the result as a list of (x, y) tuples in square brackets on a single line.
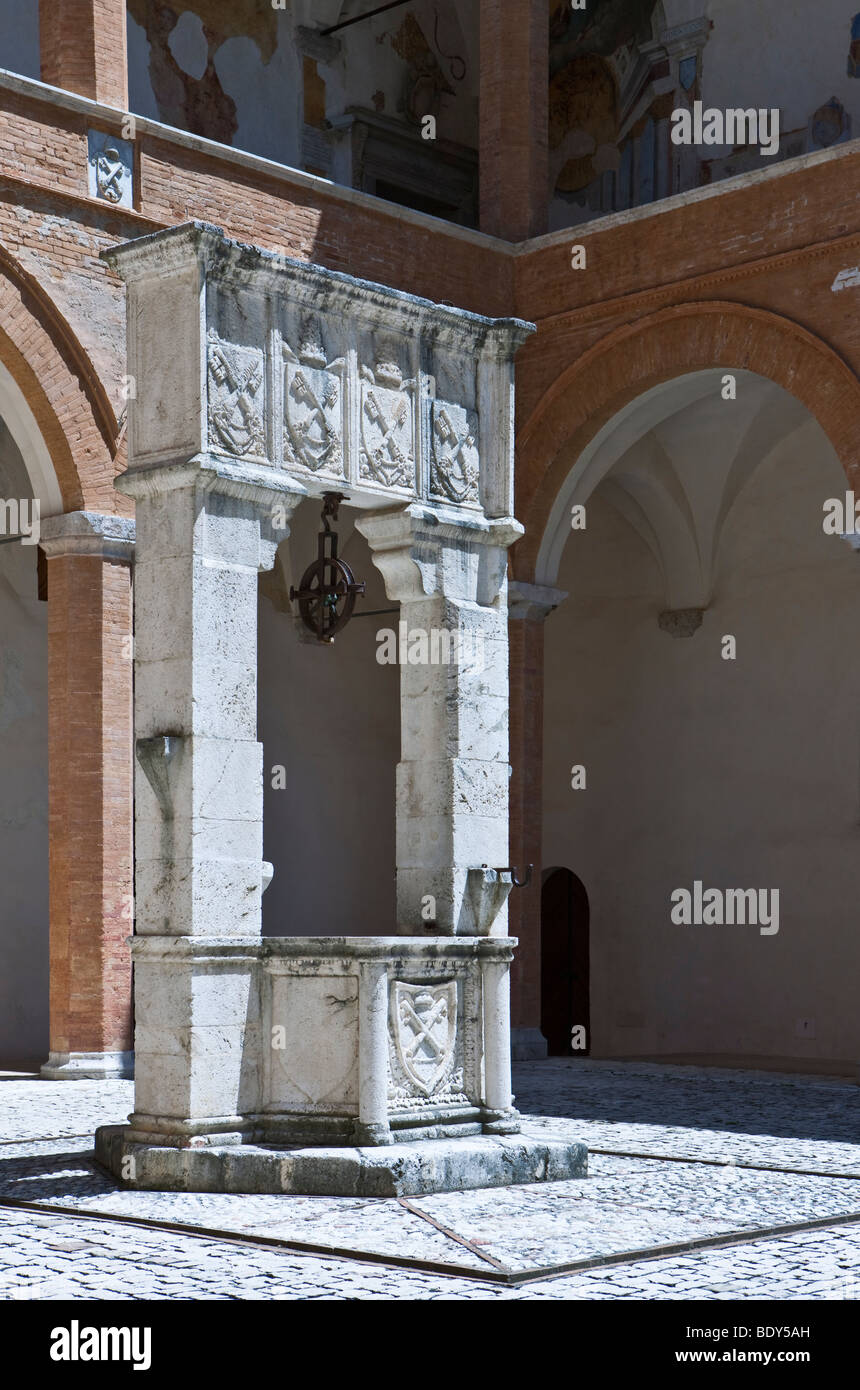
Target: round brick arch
[(63, 391), (668, 344)]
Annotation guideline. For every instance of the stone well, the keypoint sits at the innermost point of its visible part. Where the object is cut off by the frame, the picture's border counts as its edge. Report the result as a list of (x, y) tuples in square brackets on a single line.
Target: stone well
[(367, 1064)]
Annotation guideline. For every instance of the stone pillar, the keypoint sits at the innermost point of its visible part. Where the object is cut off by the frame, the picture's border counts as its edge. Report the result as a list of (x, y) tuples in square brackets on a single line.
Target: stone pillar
[(204, 534), (83, 48), (497, 1035), (513, 113), (452, 780), (90, 756), (373, 1052), (529, 606)]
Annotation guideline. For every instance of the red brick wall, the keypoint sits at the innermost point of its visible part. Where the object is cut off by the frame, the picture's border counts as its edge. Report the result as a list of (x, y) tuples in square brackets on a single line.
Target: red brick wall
[(514, 96), (83, 48), (766, 242), (90, 789), (62, 389)]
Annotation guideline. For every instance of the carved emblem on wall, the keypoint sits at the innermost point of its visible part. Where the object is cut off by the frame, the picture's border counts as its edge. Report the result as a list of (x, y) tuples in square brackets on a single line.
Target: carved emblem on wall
[(313, 409), (236, 380), (109, 168), (454, 460), (387, 413), (424, 1031)]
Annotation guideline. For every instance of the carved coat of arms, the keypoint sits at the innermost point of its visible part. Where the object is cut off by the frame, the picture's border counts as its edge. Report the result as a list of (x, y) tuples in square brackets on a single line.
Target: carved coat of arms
[(424, 1026), (314, 411), (387, 413), (110, 173), (236, 379), (454, 461)]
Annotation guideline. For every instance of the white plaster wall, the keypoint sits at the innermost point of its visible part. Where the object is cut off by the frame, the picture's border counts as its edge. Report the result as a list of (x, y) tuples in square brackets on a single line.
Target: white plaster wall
[(331, 716), (141, 99), (23, 790), (793, 55), (19, 36), (741, 774), (368, 64), (268, 95)]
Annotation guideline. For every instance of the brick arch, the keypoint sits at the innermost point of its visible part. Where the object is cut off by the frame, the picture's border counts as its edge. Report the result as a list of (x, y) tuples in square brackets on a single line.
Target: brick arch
[(63, 391), (671, 343)]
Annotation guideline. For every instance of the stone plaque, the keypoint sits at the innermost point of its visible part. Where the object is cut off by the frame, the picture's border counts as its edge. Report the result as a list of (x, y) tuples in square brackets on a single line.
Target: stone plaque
[(236, 386), (387, 452), (454, 461), (314, 394), (424, 1046)]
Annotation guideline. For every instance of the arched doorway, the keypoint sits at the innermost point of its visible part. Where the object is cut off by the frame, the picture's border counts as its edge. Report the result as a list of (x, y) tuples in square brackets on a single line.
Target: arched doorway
[(698, 671), (565, 1002)]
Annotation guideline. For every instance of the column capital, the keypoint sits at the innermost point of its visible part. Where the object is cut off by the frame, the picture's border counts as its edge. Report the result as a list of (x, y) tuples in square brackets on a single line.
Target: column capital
[(228, 491), (247, 482), (532, 602), (425, 552), (88, 533)]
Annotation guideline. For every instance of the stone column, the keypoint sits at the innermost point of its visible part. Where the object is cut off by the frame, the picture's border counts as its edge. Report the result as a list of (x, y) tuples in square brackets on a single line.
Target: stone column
[(529, 606), (452, 780), (373, 1052), (83, 48), (513, 113), (204, 533), (90, 756)]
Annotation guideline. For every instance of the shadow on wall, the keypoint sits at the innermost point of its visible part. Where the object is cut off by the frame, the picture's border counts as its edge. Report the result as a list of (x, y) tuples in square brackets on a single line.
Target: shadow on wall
[(23, 786), (329, 722), (19, 38)]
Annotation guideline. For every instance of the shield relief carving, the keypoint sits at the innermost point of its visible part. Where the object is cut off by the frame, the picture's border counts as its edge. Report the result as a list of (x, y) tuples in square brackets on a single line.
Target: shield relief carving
[(314, 394), (424, 1029), (387, 453)]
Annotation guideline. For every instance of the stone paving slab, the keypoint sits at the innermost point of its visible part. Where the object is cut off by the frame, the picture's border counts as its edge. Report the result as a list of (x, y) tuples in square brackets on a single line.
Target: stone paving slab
[(626, 1203), (56, 1176), (48, 1109), (633, 1204), (110, 1263), (808, 1123)]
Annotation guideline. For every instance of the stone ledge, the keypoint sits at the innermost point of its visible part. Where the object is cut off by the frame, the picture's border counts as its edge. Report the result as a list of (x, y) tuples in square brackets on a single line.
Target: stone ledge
[(88, 1066), (396, 1170)]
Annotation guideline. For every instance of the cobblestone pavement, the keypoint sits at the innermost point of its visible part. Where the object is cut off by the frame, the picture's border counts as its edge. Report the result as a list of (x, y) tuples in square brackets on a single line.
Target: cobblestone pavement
[(772, 1151)]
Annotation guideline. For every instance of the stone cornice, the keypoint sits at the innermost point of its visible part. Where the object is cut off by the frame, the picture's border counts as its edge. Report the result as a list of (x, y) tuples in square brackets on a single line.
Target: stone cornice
[(532, 602), (315, 287), (358, 948), (88, 533)]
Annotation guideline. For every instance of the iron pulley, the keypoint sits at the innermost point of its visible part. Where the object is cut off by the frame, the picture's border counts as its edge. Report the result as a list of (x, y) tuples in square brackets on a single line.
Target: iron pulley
[(328, 589)]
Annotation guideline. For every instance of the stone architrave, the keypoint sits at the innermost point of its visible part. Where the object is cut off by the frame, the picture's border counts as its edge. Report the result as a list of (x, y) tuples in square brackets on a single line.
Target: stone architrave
[(259, 381)]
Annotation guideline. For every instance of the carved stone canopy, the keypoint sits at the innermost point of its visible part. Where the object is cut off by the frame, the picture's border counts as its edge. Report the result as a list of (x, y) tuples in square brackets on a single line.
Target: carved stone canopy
[(338, 383)]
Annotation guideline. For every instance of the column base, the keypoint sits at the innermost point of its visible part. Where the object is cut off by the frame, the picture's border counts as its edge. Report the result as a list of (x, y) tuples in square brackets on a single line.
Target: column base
[(528, 1045), (88, 1066), (393, 1170)]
